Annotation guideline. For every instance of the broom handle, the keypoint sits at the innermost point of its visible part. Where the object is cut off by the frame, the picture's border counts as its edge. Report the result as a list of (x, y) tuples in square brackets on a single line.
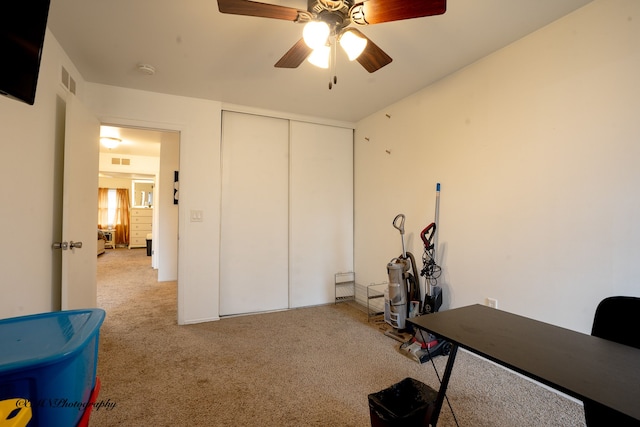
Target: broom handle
[(437, 214)]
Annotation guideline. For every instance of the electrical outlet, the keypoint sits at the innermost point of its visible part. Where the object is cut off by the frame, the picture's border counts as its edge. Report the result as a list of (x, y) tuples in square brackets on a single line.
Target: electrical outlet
[(491, 302)]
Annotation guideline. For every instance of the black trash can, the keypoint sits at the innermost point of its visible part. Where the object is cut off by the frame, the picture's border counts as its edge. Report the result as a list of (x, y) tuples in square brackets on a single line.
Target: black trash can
[(149, 243), (409, 403)]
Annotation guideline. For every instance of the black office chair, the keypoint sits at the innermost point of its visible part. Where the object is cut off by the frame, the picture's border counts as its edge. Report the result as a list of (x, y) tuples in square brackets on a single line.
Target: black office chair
[(616, 320)]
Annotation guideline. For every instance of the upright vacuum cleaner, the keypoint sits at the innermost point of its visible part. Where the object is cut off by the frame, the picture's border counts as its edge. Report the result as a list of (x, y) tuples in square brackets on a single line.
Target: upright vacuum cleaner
[(404, 290)]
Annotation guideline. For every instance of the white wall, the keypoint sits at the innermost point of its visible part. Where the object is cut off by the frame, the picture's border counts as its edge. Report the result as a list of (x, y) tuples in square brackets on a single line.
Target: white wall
[(537, 149), (31, 140), (166, 235), (137, 164), (30, 270), (104, 182), (198, 122)]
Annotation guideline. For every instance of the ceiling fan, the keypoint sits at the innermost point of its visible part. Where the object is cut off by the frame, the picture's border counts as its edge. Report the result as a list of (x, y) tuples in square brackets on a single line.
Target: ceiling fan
[(327, 23)]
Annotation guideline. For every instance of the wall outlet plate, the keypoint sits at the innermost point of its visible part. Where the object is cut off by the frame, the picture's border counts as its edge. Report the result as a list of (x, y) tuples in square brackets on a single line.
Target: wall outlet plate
[(491, 302), (196, 216)]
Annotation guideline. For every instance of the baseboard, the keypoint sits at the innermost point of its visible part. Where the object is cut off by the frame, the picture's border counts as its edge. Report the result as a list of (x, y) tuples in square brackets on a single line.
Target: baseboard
[(202, 320)]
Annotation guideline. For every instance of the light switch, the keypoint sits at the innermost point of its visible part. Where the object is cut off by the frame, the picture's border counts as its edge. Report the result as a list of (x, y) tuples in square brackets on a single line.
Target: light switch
[(196, 216)]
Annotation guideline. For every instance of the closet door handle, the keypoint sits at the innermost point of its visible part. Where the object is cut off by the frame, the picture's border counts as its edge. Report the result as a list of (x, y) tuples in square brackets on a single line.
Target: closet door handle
[(73, 244)]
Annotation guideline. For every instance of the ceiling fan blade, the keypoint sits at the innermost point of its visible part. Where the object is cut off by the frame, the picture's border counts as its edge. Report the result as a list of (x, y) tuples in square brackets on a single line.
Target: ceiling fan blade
[(295, 56), (378, 11), (372, 57), (253, 8)]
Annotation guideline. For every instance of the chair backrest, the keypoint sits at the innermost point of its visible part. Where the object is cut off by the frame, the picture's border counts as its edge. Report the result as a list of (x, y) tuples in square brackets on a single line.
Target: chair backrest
[(616, 320)]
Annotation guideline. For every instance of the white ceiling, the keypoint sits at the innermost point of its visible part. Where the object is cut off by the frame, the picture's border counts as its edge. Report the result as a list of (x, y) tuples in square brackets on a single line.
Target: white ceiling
[(199, 52), (141, 142), (134, 141)]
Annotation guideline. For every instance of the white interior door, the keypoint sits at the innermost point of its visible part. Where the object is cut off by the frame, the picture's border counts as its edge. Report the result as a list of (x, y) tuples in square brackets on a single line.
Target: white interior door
[(254, 218), (80, 207), (321, 211)]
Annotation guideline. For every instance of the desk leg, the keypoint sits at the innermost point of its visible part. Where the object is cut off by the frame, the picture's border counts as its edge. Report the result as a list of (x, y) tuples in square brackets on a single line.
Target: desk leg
[(443, 385)]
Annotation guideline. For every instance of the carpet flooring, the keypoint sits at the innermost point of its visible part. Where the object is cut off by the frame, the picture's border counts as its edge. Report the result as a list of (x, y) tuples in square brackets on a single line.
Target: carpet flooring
[(303, 367)]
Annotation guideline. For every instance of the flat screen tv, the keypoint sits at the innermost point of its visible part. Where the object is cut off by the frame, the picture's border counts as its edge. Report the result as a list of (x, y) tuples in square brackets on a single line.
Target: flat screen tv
[(23, 24)]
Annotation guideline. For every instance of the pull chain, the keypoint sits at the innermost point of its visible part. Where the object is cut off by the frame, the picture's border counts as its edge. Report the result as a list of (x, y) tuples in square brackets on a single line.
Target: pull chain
[(332, 65)]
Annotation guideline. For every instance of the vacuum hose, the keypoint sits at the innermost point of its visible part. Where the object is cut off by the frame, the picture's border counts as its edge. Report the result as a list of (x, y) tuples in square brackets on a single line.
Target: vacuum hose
[(414, 286)]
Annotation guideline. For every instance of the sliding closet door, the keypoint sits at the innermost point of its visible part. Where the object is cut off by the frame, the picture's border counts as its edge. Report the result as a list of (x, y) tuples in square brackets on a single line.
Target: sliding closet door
[(321, 211), (254, 219)]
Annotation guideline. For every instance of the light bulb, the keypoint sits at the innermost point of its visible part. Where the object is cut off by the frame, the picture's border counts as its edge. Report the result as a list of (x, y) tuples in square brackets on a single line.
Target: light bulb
[(320, 56), (110, 142), (110, 136), (315, 34), (352, 43)]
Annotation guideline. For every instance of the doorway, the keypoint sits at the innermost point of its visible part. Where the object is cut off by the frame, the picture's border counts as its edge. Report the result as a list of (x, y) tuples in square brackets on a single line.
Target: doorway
[(144, 162)]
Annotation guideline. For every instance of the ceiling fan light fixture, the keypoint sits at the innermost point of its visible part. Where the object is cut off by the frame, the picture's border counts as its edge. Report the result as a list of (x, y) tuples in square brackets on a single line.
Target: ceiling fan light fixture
[(320, 56), (315, 34), (352, 43)]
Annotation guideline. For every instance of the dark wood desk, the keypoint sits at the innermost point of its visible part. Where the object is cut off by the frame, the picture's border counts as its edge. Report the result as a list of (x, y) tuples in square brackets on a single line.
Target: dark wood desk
[(577, 364)]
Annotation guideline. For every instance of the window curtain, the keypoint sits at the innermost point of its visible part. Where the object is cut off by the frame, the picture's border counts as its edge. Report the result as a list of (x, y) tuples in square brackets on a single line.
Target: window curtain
[(122, 216), (103, 208)]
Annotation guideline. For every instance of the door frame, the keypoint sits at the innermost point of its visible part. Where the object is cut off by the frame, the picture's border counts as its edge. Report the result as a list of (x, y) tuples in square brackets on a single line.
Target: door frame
[(160, 127)]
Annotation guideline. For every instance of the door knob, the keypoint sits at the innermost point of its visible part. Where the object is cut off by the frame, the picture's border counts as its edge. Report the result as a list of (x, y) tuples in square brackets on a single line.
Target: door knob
[(73, 244), (60, 245)]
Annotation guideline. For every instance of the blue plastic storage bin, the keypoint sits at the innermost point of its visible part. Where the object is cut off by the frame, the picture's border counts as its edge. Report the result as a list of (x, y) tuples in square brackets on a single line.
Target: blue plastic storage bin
[(50, 361)]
